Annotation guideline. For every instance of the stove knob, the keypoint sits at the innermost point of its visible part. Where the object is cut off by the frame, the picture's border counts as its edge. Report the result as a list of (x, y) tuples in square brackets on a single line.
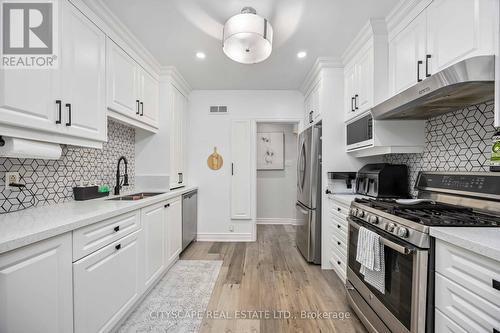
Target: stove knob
[(361, 213), (373, 219), (403, 232), (390, 227), (354, 211)]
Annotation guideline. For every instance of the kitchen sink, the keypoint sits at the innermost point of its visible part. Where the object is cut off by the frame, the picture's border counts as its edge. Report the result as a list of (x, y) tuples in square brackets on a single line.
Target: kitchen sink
[(136, 196)]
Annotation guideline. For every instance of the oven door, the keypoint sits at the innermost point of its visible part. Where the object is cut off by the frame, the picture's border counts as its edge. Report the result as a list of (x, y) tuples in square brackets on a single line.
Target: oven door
[(402, 307)]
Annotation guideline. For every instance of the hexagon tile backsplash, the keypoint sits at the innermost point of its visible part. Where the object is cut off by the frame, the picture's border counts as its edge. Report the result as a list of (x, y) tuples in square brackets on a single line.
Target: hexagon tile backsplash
[(457, 141), (52, 181)]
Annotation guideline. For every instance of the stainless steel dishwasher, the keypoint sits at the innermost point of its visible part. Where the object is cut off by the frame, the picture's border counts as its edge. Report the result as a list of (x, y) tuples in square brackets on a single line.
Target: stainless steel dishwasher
[(189, 217)]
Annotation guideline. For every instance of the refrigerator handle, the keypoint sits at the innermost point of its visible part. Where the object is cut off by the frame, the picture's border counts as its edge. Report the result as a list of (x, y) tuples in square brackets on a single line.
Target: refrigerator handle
[(302, 210)]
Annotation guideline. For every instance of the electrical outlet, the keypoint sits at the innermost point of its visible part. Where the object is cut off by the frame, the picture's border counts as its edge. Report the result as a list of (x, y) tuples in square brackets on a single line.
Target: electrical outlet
[(11, 177), (231, 228)]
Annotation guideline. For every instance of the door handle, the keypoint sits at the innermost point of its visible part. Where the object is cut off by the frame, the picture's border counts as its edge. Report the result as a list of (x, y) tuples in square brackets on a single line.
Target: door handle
[(68, 105), (232, 169), (427, 57), (418, 70), (58, 102), (302, 210), (356, 102), (179, 178), (137, 102), (352, 104), (142, 109)]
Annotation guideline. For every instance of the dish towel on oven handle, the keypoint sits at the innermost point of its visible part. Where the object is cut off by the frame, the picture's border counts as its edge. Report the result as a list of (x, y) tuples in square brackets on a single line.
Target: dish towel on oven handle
[(370, 254)]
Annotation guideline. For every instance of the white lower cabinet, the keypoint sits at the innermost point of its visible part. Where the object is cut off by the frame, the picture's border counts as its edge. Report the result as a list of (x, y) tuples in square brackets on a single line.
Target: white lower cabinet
[(153, 224), (467, 291), (106, 284), (36, 288), (173, 226), (336, 237)]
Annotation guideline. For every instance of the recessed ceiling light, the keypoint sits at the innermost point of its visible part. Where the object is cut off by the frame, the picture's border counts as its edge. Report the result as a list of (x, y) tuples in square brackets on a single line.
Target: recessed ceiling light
[(200, 55), (301, 54)]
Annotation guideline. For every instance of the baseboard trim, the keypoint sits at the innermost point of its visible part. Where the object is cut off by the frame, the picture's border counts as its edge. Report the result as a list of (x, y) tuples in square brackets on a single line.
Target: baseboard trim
[(277, 220), (224, 237)]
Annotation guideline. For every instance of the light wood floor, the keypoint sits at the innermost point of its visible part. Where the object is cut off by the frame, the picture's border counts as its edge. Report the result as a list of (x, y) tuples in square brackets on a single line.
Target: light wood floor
[(271, 275)]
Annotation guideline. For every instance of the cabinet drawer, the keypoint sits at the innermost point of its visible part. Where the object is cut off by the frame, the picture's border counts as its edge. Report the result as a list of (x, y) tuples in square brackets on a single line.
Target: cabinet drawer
[(443, 324), (106, 285), (339, 209), (339, 265), (339, 227), (472, 271), (339, 245), (468, 310), (93, 237)]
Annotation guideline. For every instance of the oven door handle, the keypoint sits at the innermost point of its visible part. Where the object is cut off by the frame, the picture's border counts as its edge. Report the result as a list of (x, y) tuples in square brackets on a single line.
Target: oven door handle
[(396, 247)]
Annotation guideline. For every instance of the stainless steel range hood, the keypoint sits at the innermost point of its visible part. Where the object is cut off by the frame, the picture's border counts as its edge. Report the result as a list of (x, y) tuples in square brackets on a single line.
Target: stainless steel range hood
[(468, 82)]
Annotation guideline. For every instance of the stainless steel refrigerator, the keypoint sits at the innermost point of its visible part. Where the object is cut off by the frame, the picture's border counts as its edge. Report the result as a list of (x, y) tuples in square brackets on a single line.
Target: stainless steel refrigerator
[(308, 203)]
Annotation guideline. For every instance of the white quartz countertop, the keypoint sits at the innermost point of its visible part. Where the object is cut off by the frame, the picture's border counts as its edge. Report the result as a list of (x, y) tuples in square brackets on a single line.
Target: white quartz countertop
[(483, 241), (25, 227), (345, 198)]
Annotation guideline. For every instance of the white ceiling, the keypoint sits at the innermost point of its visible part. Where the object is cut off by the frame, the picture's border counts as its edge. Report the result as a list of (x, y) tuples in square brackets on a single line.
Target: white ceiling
[(174, 30)]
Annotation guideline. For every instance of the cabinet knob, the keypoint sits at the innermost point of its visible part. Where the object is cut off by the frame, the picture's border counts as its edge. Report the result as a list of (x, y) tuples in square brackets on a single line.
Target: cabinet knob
[(119, 246), (338, 226), (495, 284), (117, 228), (338, 243), (338, 209), (338, 262)]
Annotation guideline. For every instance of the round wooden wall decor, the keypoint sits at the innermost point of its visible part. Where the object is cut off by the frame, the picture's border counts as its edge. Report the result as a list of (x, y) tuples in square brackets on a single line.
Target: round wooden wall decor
[(215, 161)]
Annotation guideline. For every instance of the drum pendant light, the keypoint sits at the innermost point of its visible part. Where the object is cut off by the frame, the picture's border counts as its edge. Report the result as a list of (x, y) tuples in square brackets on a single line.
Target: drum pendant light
[(247, 37)]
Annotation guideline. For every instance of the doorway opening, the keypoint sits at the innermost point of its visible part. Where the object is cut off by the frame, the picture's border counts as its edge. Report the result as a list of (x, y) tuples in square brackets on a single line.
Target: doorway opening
[(276, 173)]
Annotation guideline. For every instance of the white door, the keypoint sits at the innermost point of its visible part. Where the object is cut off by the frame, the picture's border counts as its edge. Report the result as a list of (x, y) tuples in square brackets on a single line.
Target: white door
[(83, 65), (364, 81), (122, 81), (459, 29), (241, 169), (178, 106), (149, 101), (106, 285), (407, 55), (153, 225), (36, 287), (173, 220), (349, 91)]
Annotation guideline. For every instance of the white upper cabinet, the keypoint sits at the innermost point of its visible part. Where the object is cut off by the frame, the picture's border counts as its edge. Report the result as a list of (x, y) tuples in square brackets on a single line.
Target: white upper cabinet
[(178, 108), (312, 112), (121, 81), (458, 29), (440, 35), (365, 71), (132, 94), (83, 66), (63, 105)]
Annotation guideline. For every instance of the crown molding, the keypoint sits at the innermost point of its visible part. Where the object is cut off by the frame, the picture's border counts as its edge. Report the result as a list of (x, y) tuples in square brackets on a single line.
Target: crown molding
[(110, 24), (373, 28), (404, 12), (313, 76), (170, 72)]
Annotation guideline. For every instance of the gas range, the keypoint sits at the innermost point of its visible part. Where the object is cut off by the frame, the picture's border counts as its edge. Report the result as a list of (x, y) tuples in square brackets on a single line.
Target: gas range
[(444, 200)]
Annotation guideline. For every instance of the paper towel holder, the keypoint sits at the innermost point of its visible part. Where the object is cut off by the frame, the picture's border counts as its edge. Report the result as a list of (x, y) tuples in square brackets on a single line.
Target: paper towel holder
[(24, 148)]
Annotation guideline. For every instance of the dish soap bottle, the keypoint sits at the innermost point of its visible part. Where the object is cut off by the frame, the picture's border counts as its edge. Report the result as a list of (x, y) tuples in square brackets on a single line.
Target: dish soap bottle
[(495, 153)]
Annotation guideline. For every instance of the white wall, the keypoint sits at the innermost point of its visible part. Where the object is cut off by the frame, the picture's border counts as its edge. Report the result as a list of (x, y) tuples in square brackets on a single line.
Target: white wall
[(207, 131), (276, 189)]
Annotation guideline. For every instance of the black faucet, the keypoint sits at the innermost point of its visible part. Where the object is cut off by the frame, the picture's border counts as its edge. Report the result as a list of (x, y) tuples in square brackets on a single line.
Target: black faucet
[(118, 176)]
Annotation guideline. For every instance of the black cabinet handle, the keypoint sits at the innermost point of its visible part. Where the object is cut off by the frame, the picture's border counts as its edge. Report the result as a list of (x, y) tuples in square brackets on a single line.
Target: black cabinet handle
[(180, 178), (352, 104), (495, 284), (142, 109), (167, 205), (68, 105), (58, 102), (496, 331), (117, 228), (418, 70), (356, 102), (137, 102), (119, 246), (232, 169), (427, 57), (311, 116)]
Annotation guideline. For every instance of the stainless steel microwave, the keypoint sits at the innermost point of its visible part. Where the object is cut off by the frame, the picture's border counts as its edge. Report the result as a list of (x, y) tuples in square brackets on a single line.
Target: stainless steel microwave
[(360, 132)]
